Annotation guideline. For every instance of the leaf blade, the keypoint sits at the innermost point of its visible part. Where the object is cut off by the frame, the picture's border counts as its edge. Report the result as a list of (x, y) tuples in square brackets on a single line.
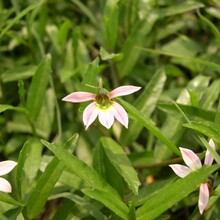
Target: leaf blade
[(121, 162), (38, 87)]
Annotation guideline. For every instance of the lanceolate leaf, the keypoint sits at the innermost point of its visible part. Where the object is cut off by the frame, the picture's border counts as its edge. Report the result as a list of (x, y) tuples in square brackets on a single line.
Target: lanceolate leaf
[(46, 183), (147, 123), (206, 128), (8, 199), (190, 111), (146, 104), (38, 87), (10, 107), (90, 76), (89, 175), (172, 194), (109, 201), (121, 162), (110, 20), (19, 16)]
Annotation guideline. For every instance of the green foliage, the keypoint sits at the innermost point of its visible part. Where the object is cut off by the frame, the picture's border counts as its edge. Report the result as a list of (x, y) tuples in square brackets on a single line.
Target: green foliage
[(49, 49)]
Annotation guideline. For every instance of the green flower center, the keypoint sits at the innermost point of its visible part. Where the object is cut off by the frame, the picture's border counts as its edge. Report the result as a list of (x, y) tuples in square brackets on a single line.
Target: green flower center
[(102, 99)]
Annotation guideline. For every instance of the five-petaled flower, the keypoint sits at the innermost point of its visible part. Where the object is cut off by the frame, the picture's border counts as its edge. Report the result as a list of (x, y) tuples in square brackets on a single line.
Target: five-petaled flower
[(102, 106), (6, 167), (193, 163)]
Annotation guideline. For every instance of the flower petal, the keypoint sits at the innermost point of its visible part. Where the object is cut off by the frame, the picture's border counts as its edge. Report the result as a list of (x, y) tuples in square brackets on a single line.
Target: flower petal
[(123, 90), (120, 114), (90, 114), (203, 197), (79, 97), (180, 170), (5, 186), (208, 157), (106, 117), (191, 159), (7, 166)]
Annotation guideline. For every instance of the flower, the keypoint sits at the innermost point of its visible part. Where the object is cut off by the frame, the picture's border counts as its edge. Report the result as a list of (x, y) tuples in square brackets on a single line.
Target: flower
[(6, 167), (193, 163), (102, 106)]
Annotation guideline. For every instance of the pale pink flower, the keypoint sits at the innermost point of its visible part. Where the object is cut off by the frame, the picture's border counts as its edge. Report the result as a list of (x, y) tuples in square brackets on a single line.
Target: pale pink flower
[(193, 163), (102, 106), (6, 167)]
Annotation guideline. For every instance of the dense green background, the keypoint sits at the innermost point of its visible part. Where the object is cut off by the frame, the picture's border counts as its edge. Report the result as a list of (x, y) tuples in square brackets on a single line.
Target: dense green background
[(51, 48)]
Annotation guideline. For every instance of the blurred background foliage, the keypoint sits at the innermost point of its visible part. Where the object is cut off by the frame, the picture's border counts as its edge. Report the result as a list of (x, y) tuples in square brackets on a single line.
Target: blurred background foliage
[(51, 48)]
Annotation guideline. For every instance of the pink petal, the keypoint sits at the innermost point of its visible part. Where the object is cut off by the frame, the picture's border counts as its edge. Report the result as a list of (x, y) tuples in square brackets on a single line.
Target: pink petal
[(90, 114), (106, 117), (120, 114), (203, 197), (5, 186), (79, 97), (191, 159), (208, 157), (123, 90), (7, 166), (180, 170)]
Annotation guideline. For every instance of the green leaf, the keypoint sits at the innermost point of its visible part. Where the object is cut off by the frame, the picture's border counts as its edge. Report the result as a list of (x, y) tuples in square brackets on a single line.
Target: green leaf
[(179, 8), (38, 87), (46, 183), (86, 11), (130, 53), (110, 23), (150, 190), (10, 107), (208, 129), (142, 28), (4, 197), (89, 175), (28, 163), (190, 111), (82, 202), (120, 161), (173, 126), (212, 27), (109, 201), (146, 104), (19, 16), (172, 194), (182, 46), (211, 94), (102, 164), (17, 73), (109, 56), (90, 76), (147, 123), (190, 59)]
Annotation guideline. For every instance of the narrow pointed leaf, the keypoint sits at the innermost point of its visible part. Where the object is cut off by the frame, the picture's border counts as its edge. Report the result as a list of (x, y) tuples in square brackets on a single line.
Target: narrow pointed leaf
[(110, 23), (87, 173), (19, 16), (28, 162), (4, 107), (146, 104), (46, 183), (90, 76), (4, 197), (38, 87), (120, 161), (172, 194), (190, 111), (147, 123), (109, 201), (207, 128)]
